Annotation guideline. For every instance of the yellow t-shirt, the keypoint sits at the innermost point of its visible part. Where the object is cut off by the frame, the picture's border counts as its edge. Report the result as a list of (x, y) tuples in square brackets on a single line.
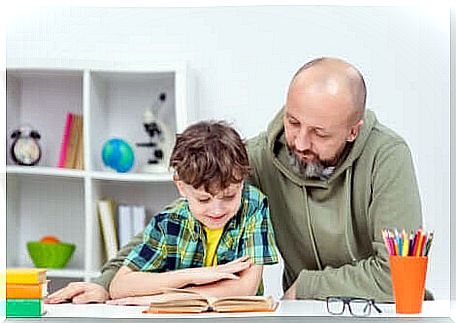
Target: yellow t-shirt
[(212, 240)]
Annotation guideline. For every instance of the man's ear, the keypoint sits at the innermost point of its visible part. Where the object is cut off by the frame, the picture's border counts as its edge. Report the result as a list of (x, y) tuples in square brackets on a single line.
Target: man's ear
[(354, 131), (180, 186)]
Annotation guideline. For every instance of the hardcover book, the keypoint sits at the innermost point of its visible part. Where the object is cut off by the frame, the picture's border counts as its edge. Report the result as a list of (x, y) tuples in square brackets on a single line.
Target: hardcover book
[(24, 308), (25, 276), (26, 290), (186, 301), (65, 140), (106, 210), (73, 142)]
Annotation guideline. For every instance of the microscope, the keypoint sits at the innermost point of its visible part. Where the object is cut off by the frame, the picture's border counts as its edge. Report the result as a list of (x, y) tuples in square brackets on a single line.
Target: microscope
[(159, 138)]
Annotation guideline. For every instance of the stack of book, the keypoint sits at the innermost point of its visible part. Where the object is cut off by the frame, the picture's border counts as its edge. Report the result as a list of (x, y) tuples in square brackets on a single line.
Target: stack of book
[(131, 220), (72, 146), (25, 290)]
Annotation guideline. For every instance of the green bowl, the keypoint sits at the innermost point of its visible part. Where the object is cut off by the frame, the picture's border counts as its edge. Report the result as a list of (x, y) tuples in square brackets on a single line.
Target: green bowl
[(50, 255)]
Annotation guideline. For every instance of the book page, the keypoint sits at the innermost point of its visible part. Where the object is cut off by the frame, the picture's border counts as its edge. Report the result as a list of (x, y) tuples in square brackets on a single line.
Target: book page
[(245, 304), (180, 298)]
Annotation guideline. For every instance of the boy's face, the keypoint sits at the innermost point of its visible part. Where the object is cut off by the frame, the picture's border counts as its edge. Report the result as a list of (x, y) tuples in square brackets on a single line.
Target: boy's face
[(212, 211)]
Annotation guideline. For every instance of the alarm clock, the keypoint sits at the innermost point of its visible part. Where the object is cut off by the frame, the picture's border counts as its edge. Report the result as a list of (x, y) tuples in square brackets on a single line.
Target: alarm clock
[(25, 149)]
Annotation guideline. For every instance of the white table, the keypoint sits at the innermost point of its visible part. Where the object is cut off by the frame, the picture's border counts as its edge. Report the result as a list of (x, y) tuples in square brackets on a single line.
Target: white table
[(290, 311)]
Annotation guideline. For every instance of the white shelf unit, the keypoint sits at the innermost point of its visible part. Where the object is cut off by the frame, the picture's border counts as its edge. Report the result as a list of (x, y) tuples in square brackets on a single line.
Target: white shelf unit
[(46, 200)]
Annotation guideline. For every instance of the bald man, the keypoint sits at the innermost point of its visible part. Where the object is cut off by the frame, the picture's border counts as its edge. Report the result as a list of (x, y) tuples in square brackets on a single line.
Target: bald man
[(335, 177)]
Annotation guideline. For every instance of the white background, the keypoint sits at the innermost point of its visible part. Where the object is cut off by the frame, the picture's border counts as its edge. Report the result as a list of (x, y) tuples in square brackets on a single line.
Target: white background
[(453, 164), (240, 60)]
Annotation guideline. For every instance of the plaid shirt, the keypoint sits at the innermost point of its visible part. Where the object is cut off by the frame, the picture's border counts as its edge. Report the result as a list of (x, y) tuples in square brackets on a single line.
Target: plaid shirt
[(174, 239)]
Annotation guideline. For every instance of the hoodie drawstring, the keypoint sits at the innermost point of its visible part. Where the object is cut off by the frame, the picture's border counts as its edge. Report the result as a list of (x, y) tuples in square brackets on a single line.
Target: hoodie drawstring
[(348, 216), (309, 227)]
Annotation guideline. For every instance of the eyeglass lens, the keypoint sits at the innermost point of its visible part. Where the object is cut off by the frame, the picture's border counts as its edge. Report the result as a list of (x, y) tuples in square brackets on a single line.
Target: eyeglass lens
[(359, 307), (335, 305)]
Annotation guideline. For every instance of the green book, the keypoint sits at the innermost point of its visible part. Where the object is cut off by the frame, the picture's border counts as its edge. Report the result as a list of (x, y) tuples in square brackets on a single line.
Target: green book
[(21, 307)]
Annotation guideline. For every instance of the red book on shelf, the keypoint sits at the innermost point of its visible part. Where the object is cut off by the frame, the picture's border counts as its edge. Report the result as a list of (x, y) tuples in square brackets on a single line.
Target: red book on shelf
[(65, 140), (73, 142)]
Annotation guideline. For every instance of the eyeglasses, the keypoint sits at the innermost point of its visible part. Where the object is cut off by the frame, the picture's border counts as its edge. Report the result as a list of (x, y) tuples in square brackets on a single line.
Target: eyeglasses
[(356, 306)]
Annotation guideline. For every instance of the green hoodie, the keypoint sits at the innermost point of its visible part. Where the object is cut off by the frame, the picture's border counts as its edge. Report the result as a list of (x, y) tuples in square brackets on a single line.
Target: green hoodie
[(329, 231)]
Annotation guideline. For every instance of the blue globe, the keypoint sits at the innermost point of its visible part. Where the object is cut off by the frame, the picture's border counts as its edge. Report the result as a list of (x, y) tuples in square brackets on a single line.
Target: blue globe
[(118, 155)]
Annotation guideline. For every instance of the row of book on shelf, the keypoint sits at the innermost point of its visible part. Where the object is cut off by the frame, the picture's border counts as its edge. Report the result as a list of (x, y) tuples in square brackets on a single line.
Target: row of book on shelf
[(72, 145), (25, 290), (119, 223)]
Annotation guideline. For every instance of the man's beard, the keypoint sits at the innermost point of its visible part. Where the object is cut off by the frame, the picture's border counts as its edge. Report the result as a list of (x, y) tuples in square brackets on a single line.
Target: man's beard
[(316, 169)]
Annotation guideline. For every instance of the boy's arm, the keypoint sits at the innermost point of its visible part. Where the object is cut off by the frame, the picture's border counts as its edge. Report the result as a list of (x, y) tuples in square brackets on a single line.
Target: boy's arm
[(127, 282), (109, 269), (247, 285)]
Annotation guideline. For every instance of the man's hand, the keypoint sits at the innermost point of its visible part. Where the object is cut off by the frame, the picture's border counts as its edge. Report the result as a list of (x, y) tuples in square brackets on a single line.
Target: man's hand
[(207, 275), (79, 293), (291, 292)]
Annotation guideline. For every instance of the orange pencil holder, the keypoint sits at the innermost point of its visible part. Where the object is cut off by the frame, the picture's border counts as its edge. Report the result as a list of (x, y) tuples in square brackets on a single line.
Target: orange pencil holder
[(409, 278)]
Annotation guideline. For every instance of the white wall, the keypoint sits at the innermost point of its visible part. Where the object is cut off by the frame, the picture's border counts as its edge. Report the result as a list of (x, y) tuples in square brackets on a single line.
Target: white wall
[(241, 59), (453, 166)]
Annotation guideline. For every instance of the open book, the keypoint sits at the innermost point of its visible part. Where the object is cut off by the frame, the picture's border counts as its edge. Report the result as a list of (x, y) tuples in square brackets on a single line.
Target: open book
[(186, 301)]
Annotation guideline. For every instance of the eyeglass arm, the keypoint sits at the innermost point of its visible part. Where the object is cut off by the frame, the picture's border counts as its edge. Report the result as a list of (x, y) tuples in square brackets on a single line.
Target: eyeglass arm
[(376, 307)]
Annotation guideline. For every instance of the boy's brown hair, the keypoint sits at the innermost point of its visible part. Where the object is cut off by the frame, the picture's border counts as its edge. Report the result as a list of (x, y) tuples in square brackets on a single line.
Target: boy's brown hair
[(210, 154)]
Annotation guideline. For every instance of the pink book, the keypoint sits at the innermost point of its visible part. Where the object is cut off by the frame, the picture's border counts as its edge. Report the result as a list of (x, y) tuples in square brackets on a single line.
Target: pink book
[(66, 138)]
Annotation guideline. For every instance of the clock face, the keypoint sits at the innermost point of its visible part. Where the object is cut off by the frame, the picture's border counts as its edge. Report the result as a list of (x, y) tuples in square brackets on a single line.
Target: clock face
[(26, 151)]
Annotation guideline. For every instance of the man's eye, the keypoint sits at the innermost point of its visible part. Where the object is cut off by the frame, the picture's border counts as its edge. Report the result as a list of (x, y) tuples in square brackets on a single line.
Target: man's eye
[(229, 197), (203, 200), (293, 122), (321, 135)]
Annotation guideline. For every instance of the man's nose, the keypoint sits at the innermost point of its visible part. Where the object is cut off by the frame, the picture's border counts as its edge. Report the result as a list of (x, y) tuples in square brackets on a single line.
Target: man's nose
[(302, 140)]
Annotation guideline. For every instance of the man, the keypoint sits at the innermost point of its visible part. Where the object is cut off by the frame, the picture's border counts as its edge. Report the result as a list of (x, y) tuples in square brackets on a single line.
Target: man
[(335, 177)]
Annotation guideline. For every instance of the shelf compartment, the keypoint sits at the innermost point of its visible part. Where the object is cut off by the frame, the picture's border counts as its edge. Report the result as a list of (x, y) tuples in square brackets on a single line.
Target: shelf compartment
[(41, 98), (154, 197), (118, 101), (43, 205)]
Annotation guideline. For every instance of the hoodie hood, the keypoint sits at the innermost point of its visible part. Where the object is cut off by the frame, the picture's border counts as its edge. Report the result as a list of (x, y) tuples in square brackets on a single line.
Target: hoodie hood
[(277, 148)]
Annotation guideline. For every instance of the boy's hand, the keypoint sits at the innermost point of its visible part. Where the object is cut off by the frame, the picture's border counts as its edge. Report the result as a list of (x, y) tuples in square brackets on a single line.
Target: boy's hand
[(79, 293), (207, 275)]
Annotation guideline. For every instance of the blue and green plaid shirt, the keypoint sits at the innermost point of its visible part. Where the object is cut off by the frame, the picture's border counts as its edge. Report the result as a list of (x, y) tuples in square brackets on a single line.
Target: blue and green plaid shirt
[(174, 239)]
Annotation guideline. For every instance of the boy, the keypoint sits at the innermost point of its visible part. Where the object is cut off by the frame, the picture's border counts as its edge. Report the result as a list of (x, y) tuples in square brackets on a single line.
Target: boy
[(216, 238)]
